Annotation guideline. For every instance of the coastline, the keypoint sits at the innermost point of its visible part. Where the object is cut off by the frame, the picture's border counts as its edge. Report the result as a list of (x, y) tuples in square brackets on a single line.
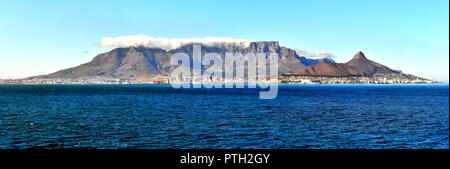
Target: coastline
[(280, 84)]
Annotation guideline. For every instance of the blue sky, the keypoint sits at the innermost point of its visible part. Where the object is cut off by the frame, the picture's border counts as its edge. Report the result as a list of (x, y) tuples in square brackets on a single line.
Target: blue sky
[(39, 37)]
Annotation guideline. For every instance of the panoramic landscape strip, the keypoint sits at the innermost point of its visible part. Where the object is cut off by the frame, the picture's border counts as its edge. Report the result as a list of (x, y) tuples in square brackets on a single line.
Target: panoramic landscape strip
[(143, 65), (225, 83)]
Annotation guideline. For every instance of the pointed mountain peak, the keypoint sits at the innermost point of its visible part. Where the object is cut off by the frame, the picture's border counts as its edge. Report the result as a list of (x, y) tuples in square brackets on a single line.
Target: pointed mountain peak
[(359, 55)]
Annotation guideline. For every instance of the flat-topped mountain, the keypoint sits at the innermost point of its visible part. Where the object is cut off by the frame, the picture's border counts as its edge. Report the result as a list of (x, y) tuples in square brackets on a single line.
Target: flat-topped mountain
[(143, 63), (148, 63)]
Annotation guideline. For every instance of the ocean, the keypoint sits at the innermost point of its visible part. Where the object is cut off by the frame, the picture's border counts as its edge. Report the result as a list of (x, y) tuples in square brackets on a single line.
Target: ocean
[(160, 117)]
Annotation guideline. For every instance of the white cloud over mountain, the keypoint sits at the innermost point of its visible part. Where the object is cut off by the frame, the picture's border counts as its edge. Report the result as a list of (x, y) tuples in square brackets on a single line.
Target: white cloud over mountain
[(166, 43), (319, 55)]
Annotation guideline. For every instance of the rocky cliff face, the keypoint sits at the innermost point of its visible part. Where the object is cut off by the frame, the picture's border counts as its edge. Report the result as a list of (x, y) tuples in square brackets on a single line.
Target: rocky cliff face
[(144, 63)]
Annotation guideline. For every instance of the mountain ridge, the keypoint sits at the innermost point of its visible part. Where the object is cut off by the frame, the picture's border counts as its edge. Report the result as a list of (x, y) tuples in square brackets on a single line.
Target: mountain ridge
[(137, 63), (146, 63)]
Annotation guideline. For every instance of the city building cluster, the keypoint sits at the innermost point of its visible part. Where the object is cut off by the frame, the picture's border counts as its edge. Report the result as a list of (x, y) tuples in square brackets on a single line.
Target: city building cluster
[(282, 79)]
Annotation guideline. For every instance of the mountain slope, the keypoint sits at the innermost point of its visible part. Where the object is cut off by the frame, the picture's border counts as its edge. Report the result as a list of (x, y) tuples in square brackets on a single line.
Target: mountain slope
[(121, 62), (328, 69)]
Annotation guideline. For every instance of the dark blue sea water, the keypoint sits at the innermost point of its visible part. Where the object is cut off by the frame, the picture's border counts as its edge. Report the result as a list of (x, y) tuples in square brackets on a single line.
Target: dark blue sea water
[(158, 116)]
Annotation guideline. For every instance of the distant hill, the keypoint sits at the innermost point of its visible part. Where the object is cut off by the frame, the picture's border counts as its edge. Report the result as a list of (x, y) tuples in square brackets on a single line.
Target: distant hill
[(364, 65), (359, 65), (147, 63)]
